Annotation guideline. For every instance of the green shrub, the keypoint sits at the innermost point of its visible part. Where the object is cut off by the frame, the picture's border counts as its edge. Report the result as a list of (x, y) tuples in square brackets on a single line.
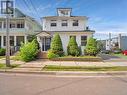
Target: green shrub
[(56, 45), (91, 47), (72, 48), (2, 51), (28, 51), (51, 55)]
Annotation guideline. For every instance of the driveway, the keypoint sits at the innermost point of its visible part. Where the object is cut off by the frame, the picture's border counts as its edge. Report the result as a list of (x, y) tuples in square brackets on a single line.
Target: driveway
[(111, 58)]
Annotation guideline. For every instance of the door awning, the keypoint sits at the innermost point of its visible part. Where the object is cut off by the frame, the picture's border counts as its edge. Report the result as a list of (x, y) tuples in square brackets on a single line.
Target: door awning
[(44, 34)]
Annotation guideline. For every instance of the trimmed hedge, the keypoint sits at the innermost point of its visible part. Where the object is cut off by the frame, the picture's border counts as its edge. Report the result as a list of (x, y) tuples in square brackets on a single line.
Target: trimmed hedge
[(56, 45), (73, 48), (91, 47), (51, 55)]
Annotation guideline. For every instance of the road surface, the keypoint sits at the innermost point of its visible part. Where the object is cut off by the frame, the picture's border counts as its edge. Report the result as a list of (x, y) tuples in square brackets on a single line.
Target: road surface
[(29, 84)]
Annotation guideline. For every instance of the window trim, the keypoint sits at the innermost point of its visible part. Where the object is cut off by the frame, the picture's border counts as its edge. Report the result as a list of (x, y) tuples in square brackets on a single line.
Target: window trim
[(75, 23)]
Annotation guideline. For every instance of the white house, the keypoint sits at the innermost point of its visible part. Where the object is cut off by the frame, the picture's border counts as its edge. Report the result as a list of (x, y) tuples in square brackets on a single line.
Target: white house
[(66, 25), (21, 26)]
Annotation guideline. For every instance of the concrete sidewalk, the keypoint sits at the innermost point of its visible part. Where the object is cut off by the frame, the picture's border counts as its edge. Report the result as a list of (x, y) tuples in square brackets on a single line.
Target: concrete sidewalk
[(37, 66)]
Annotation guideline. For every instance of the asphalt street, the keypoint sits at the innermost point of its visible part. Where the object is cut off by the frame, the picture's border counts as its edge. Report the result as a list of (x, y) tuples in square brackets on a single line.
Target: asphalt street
[(30, 84)]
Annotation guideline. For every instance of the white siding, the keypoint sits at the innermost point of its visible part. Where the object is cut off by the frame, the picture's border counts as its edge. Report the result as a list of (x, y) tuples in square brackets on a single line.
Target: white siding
[(70, 27)]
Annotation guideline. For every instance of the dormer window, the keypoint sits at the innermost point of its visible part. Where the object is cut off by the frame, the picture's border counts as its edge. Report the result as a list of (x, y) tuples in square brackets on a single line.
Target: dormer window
[(64, 11)]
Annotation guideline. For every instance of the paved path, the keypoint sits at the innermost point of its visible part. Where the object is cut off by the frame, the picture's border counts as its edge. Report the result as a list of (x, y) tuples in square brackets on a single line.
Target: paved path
[(21, 84), (37, 65)]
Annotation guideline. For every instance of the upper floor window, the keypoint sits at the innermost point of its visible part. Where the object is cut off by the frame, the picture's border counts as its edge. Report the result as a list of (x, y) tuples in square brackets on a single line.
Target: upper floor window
[(53, 23), (64, 23), (75, 22), (20, 24), (83, 40), (12, 25)]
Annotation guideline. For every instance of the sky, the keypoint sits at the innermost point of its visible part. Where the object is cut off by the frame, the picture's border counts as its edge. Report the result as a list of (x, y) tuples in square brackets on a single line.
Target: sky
[(104, 15)]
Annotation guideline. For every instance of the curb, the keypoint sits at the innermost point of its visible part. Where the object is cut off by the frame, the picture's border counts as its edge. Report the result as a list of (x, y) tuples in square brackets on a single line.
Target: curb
[(68, 73)]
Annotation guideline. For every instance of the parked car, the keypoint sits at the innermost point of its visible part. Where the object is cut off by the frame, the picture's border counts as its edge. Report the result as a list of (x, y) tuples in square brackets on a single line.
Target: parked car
[(125, 52), (105, 51), (117, 51)]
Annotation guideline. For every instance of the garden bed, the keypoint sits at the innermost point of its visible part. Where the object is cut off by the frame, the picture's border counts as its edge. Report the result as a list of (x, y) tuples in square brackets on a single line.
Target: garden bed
[(81, 58)]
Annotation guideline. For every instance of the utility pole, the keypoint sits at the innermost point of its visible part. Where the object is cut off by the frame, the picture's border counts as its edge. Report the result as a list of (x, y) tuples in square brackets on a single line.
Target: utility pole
[(7, 9), (109, 41), (7, 42)]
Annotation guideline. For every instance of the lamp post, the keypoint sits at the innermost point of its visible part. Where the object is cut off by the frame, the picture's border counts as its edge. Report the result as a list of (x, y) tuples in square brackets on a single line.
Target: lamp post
[(7, 9)]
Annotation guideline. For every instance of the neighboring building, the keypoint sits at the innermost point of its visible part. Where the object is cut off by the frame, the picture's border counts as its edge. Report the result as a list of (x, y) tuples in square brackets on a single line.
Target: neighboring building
[(21, 26), (117, 42), (66, 25)]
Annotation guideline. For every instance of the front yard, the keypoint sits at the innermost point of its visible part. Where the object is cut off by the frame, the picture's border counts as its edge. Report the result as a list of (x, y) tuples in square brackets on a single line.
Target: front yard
[(83, 68), (3, 66)]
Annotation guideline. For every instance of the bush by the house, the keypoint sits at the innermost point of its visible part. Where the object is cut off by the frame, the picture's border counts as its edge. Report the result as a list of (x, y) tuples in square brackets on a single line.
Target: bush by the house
[(2, 51), (91, 47), (73, 48), (56, 45), (51, 55), (30, 38), (28, 51)]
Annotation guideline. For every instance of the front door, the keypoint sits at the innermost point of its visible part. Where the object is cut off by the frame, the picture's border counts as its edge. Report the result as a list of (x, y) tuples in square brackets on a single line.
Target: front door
[(46, 43)]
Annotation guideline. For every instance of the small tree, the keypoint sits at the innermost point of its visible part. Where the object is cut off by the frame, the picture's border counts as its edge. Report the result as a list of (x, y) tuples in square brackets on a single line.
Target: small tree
[(56, 45), (28, 51), (91, 47), (72, 48)]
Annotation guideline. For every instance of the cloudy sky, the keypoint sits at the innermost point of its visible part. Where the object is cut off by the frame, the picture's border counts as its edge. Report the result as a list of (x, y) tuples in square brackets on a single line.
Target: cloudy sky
[(104, 15)]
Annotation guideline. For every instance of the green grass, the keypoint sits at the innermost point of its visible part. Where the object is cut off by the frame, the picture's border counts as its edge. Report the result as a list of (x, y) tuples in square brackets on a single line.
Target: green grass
[(3, 66), (2, 57), (83, 68), (121, 56)]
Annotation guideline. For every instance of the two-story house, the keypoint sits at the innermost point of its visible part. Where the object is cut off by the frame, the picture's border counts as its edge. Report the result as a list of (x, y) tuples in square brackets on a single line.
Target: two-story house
[(66, 25), (21, 26)]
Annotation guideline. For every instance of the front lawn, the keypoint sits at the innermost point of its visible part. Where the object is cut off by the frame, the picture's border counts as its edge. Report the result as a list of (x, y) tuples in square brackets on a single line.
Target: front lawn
[(3, 66), (83, 68), (2, 57), (121, 56)]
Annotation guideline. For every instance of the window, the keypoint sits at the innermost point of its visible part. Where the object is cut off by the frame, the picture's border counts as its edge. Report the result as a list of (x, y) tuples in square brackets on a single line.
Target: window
[(75, 22), (64, 23), (11, 40), (53, 23), (64, 13), (0, 24), (20, 24), (12, 25), (19, 40), (83, 40), (74, 37)]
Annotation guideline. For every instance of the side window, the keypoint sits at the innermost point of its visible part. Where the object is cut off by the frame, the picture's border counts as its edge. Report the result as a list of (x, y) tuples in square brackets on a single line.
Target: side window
[(83, 40)]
